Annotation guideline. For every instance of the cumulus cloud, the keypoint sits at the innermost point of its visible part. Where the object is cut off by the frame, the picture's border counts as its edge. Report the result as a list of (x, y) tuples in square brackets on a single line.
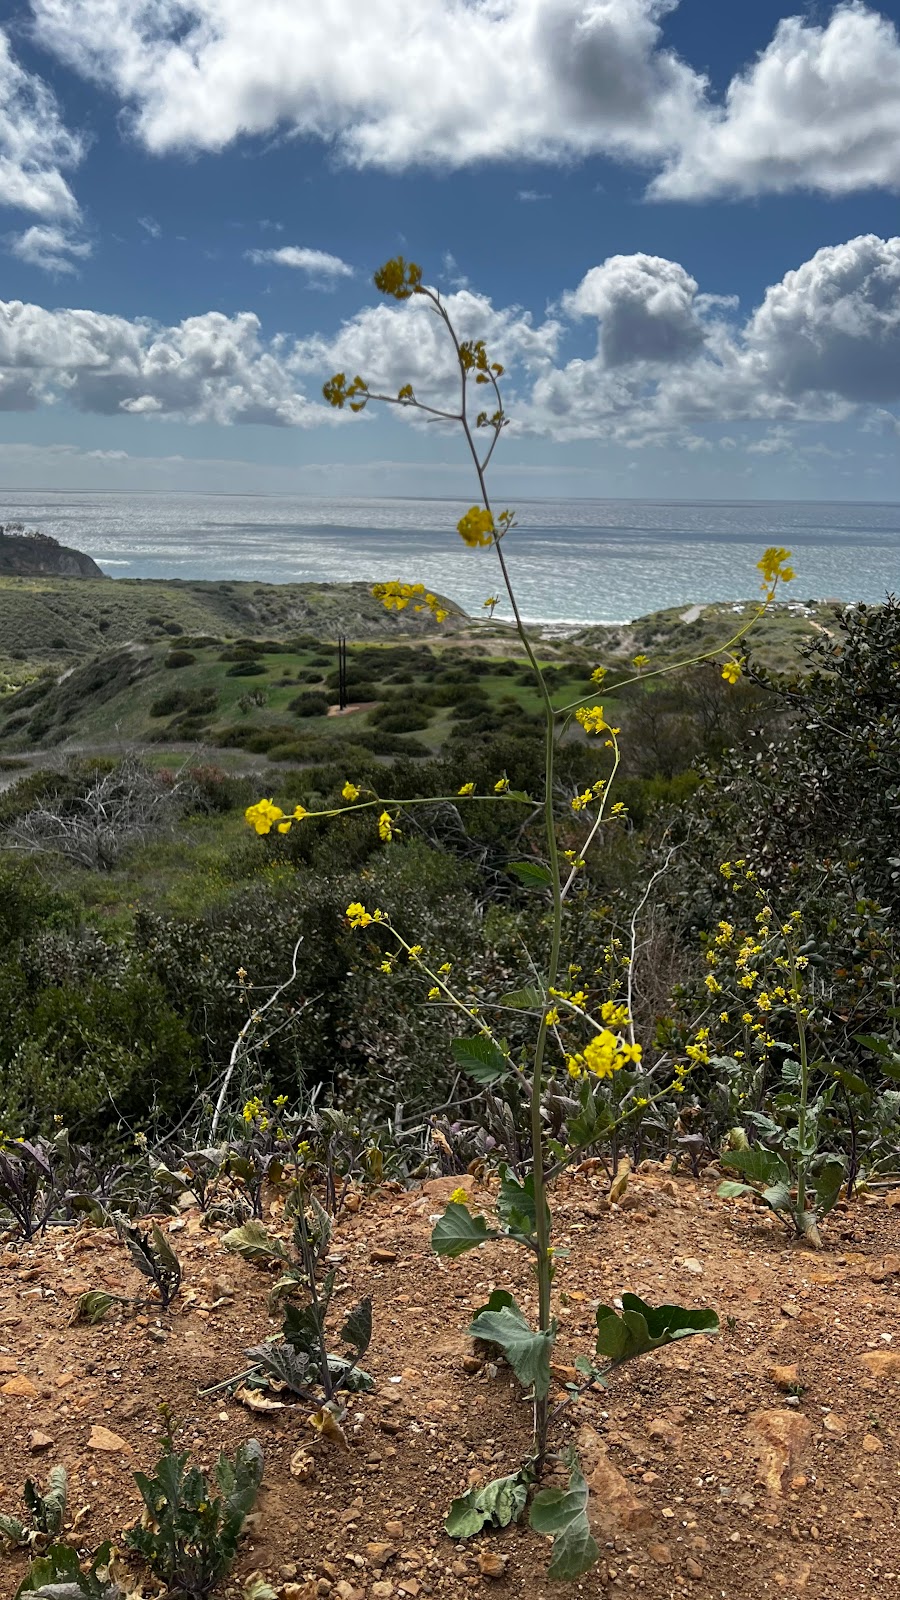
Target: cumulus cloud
[(35, 144), (819, 109), (476, 80), (50, 247), (662, 361), (321, 268), (833, 325), (465, 82), (210, 368), (646, 308)]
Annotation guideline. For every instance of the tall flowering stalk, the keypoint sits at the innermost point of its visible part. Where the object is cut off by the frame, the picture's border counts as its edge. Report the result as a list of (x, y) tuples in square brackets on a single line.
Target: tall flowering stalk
[(605, 1032)]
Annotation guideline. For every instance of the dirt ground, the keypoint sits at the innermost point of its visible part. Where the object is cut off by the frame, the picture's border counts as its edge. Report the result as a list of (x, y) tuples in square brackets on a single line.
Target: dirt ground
[(714, 1474)]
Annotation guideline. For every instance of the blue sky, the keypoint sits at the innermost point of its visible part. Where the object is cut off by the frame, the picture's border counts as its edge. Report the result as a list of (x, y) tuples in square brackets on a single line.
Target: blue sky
[(675, 223)]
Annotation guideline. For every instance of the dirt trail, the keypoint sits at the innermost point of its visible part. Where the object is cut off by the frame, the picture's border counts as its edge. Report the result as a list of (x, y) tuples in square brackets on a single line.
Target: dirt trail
[(716, 1475)]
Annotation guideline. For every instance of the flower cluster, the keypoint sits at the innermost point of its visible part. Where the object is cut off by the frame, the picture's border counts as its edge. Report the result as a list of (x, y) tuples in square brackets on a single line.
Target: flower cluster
[(476, 527), (338, 392), (603, 1056), (396, 596), (592, 719), (398, 278), (774, 569), (265, 815), (359, 917), (731, 671)]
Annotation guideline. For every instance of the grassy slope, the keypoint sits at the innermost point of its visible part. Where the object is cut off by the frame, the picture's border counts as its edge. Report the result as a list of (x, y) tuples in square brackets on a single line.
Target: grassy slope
[(666, 635), (45, 618)]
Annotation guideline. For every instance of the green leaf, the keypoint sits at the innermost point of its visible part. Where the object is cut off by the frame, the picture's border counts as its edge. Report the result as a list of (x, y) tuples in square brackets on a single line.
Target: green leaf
[(496, 1505), (516, 1205), (93, 1305), (527, 1352), (301, 1329), (762, 1165), (729, 1190), (239, 1480), (458, 1231), (289, 1366), (531, 873), (850, 1081), (357, 1330), (480, 1058), (253, 1243), (777, 1196), (349, 1377), (641, 1328), (562, 1513), (498, 1299), (827, 1180), (528, 999)]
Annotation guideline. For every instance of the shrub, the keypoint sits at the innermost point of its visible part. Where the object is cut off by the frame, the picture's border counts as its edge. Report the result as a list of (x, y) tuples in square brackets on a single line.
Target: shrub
[(247, 669), (179, 658), (309, 705)]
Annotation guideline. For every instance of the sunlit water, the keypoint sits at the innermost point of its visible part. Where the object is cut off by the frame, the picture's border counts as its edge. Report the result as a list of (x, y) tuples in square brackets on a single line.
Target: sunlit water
[(571, 560)]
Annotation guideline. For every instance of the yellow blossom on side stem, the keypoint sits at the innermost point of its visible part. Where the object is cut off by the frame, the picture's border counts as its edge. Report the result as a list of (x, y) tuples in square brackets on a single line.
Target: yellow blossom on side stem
[(731, 671), (350, 791), (476, 527), (386, 827), (592, 719), (359, 917), (263, 815), (466, 788)]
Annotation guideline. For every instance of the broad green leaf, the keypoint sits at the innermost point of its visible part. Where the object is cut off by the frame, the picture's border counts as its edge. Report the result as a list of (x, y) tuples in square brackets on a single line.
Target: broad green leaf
[(458, 1231), (851, 1082), (527, 1352), (528, 999), (480, 1058), (516, 1206), (254, 1243), (762, 1165), (531, 873), (562, 1514), (777, 1196), (301, 1329), (496, 1505), (357, 1330), (239, 1480), (350, 1377), (93, 1305), (730, 1189), (641, 1328), (498, 1299), (289, 1365), (827, 1182)]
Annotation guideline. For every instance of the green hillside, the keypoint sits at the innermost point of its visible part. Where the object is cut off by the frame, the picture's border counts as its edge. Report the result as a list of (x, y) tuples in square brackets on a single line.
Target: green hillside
[(55, 619), (683, 631)]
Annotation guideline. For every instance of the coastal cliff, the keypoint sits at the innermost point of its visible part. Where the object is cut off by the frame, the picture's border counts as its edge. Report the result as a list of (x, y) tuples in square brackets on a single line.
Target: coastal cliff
[(27, 554)]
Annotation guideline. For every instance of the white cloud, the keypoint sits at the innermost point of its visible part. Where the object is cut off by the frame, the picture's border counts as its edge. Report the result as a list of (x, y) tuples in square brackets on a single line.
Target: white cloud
[(476, 80), (646, 308), (209, 368), (151, 226), (35, 145), (545, 79), (819, 109), (320, 267), (662, 363), (48, 246)]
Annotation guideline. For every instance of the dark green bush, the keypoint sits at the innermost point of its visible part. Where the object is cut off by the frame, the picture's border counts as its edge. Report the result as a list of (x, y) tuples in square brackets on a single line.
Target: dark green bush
[(247, 669), (309, 705), (179, 658)]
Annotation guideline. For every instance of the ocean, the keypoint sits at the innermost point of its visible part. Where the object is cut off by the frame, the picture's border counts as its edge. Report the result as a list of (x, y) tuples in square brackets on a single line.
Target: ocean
[(578, 561)]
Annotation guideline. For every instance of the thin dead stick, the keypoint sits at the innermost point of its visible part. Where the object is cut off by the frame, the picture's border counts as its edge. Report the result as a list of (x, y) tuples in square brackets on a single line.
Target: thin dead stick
[(239, 1045)]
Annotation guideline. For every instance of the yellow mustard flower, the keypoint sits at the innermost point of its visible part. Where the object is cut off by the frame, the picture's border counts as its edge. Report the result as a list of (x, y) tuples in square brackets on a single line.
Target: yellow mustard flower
[(466, 788), (350, 791), (476, 528)]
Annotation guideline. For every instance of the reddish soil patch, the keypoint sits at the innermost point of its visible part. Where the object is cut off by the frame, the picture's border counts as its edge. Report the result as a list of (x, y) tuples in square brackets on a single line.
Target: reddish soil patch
[(715, 1480), (358, 705)]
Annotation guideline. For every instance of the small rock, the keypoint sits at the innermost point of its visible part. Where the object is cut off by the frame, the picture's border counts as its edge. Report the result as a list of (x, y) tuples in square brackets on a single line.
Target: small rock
[(613, 1505), (351, 1203), (835, 1423), (394, 1530), (665, 1432), (383, 1257), (379, 1553), (781, 1438), (872, 1444), (563, 1374), (443, 1188), (787, 1379), (346, 1591), (20, 1386), (186, 1201), (893, 1199), (693, 1568), (881, 1364), (42, 1441), (491, 1564), (382, 1590), (101, 1438), (691, 1264), (472, 1365), (223, 1289), (661, 1554), (799, 1482)]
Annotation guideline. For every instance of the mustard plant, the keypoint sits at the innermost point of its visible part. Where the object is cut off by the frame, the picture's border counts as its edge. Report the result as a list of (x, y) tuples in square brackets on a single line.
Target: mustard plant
[(588, 1038)]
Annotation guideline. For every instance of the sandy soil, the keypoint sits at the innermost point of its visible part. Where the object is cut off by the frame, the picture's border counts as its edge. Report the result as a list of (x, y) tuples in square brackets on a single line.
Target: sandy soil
[(715, 1474)]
